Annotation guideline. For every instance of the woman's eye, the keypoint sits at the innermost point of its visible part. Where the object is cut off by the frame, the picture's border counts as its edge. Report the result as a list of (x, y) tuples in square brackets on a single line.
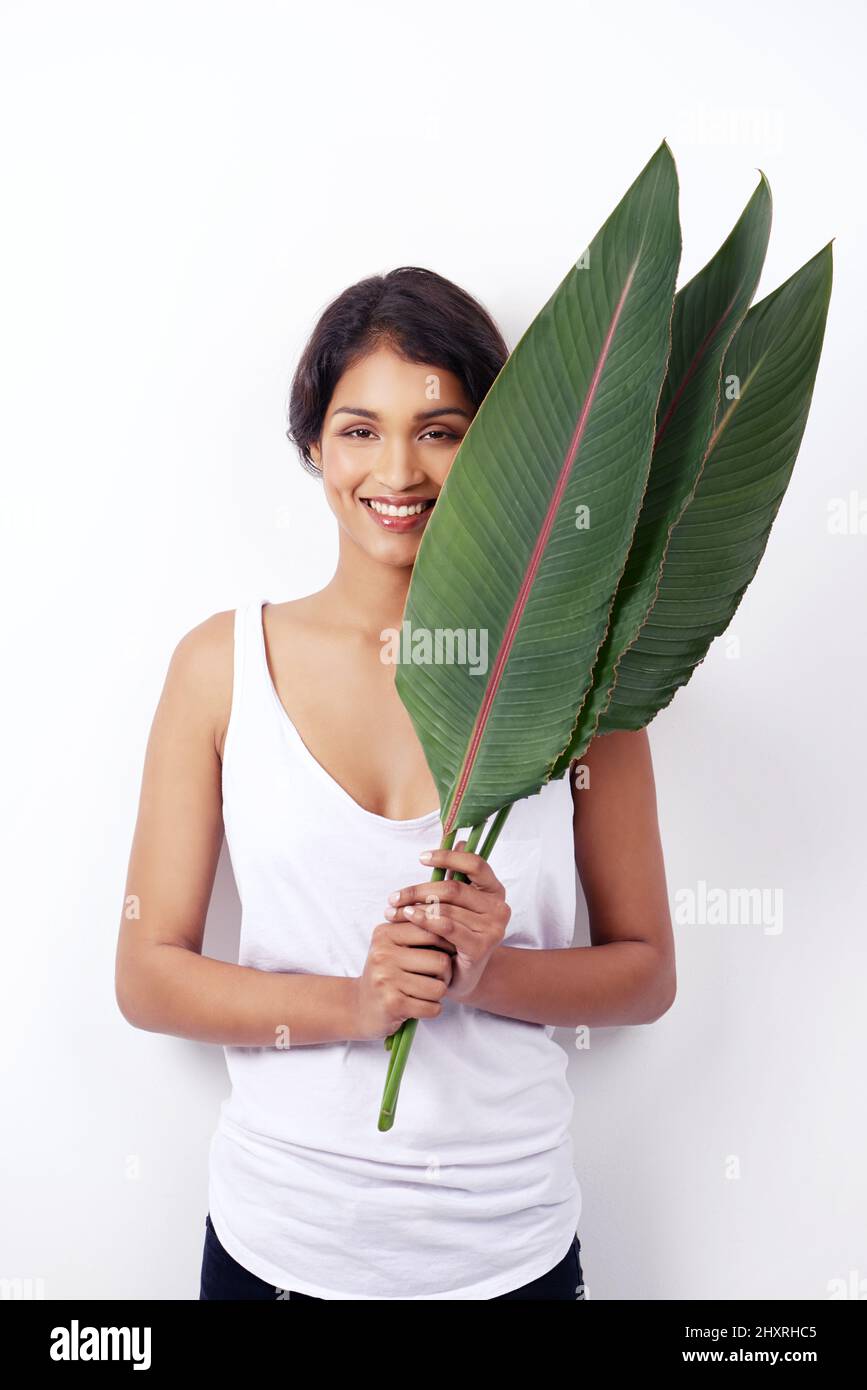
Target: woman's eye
[(358, 431)]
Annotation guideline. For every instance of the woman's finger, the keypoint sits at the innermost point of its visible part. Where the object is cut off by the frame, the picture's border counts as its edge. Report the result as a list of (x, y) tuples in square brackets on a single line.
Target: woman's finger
[(447, 890), (415, 986), (406, 933), (460, 844), (477, 869), (461, 929), (415, 962)]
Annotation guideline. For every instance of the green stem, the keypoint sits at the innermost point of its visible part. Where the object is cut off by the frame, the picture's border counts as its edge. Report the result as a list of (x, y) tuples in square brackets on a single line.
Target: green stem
[(400, 1042), (470, 848), (490, 840)]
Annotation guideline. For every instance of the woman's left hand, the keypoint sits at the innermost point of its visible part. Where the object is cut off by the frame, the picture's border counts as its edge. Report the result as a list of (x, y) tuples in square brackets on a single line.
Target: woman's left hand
[(470, 917)]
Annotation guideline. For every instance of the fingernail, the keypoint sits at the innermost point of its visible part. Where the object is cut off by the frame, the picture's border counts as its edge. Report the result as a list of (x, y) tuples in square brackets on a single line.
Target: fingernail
[(427, 857), (409, 911), (393, 897), (391, 913)]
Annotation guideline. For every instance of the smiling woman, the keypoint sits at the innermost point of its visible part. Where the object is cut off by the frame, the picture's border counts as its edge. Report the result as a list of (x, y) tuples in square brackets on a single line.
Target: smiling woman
[(408, 389), (392, 468), (280, 724)]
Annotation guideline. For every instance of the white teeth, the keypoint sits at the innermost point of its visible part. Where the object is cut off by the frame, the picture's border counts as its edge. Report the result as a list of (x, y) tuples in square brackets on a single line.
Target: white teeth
[(388, 508)]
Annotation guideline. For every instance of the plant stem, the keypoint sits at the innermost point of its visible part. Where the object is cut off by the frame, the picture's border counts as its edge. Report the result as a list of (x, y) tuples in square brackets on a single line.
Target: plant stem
[(393, 1041), (400, 1042), (474, 837), (493, 834)]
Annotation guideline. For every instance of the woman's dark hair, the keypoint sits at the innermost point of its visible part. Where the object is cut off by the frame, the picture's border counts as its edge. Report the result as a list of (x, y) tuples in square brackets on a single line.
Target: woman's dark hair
[(420, 315)]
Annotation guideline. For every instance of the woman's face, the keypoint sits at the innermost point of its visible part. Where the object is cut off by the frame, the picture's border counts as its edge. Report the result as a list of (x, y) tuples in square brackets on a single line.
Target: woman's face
[(390, 433)]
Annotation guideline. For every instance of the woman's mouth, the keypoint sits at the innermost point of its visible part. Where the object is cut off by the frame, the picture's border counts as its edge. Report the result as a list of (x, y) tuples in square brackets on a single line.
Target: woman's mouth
[(396, 513)]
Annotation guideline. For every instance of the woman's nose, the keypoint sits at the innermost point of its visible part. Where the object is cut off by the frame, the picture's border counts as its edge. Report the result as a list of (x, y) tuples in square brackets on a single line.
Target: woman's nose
[(398, 467)]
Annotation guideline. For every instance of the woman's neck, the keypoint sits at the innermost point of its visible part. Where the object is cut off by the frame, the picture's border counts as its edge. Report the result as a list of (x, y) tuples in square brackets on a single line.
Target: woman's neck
[(364, 592)]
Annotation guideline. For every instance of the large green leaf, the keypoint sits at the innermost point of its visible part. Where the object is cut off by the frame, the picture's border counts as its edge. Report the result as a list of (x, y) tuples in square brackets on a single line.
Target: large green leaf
[(707, 312), (716, 546), (568, 423)]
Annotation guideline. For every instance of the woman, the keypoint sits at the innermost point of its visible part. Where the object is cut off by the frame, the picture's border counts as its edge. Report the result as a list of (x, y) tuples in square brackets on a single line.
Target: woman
[(281, 723)]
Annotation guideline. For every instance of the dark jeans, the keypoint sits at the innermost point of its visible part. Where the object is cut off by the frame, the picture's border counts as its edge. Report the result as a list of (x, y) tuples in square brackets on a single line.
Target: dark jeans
[(224, 1278)]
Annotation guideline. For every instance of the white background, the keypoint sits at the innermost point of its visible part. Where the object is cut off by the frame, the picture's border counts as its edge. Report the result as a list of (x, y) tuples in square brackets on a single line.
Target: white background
[(185, 187)]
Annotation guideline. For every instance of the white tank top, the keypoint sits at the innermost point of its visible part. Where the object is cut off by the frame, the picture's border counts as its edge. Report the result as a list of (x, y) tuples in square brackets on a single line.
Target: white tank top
[(472, 1193)]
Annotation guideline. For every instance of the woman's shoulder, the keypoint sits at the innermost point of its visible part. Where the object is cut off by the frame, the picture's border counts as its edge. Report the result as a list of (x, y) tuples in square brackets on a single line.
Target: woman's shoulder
[(200, 670), (202, 651), (202, 667), (204, 656)]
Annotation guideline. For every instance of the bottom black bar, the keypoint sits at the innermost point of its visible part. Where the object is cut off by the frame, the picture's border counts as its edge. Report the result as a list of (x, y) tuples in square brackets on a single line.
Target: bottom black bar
[(66, 1337)]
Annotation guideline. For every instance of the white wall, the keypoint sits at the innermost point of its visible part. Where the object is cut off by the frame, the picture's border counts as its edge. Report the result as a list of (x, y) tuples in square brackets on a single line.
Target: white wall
[(185, 186)]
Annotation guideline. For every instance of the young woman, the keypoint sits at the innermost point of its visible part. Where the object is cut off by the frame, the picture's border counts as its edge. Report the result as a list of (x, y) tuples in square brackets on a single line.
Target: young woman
[(280, 722)]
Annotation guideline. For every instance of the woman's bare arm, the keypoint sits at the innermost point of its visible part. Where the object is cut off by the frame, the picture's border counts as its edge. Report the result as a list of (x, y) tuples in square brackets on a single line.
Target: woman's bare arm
[(163, 983), (627, 975)]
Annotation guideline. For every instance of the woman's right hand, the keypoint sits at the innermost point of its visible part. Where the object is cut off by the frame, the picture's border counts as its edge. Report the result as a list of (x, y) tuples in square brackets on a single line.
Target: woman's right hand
[(406, 974)]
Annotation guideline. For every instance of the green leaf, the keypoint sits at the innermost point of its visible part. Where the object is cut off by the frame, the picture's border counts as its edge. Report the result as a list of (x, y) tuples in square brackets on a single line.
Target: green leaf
[(568, 423), (707, 312), (717, 544)]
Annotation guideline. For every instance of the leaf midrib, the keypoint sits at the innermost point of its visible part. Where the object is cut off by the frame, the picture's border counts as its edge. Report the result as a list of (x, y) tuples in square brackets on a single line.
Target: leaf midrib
[(523, 595)]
